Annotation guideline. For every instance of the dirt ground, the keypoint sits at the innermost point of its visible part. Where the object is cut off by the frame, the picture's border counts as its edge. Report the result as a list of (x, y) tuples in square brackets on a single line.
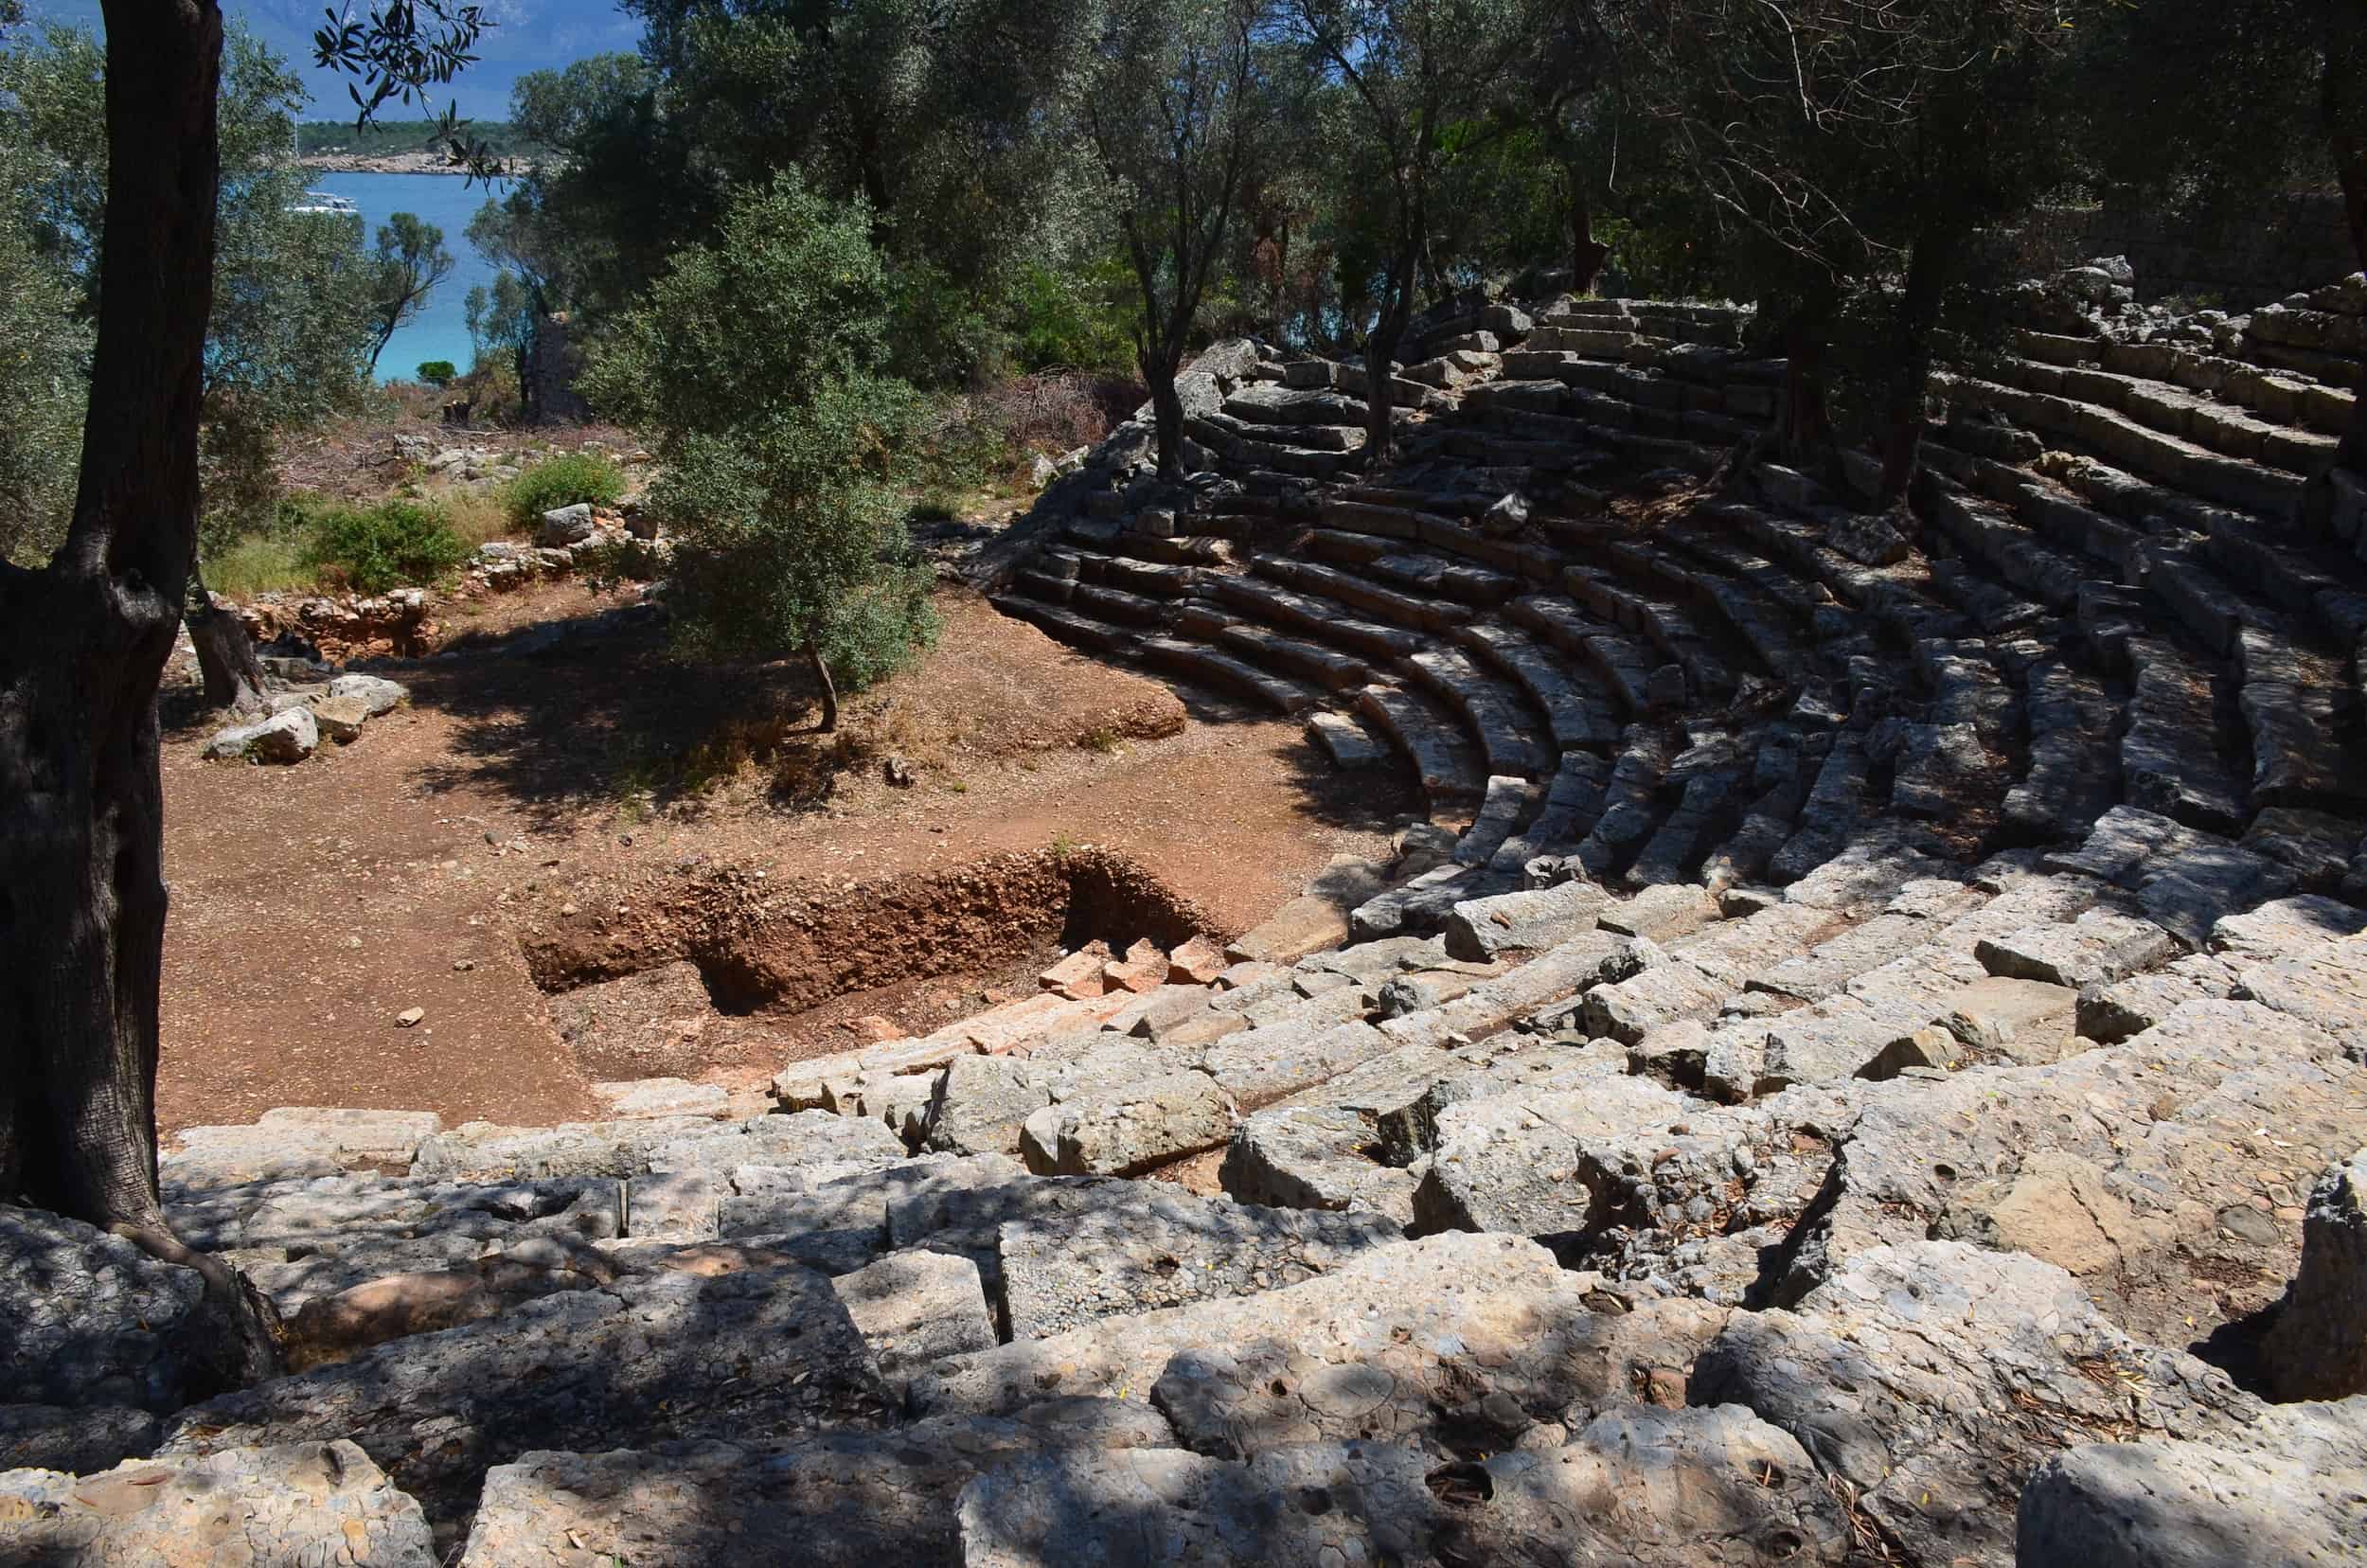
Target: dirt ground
[(535, 781)]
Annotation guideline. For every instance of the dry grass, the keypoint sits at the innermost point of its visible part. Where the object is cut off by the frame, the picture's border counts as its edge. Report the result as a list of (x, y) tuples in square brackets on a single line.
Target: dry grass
[(477, 516), (261, 564)]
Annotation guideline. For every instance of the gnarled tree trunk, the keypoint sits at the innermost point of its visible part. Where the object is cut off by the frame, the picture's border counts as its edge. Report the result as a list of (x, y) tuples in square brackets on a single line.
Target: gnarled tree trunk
[(225, 654), (824, 685), (1381, 352), (1916, 315), (1159, 368), (1587, 253), (83, 643)]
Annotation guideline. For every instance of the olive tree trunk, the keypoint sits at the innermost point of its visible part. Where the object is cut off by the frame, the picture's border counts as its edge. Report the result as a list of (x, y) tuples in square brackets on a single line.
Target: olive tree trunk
[(1381, 352), (1917, 312), (83, 643), (827, 687), (225, 654), (1587, 253), (1159, 366)]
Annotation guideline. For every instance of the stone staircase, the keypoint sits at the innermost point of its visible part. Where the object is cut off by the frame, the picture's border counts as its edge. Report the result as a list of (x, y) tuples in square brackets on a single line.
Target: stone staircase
[(1874, 1021), (1583, 1184)]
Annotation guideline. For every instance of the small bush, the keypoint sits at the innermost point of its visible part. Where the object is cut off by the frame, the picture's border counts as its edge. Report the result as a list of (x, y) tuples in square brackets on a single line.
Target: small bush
[(382, 547), (437, 373), (562, 481)]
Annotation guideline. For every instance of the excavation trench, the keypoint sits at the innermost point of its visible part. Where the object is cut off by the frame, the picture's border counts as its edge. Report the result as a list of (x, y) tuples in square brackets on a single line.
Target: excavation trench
[(723, 969)]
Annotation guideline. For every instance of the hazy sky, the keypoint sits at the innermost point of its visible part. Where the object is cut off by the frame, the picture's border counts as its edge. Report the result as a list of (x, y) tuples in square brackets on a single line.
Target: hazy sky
[(532, 35)]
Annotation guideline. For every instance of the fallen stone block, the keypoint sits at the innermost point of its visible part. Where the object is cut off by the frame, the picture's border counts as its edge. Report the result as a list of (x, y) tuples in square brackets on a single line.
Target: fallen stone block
[(979, 1104), (1075, 1252), (1634, 1007), (1143, 969), (2098, 949), (2317, 1347), (77, 1442), (831, 1222), (1407, 1124), (288, 736), (2280, 1493), (295, 1141), (1511, 1164), (2112, 1013), (1828, 969), (341, 718), (1701, 1206), (275, 1507), (479, 1151), (1479, 928), (913, 1307), (2022, 1021), (839, 1500), (1079, 975), (1197, 962), (376, 692), (1313, 1157), (1597, 958), (1929, 1381), (1437, 1307), (93, 1320), (1121, 1130), (810, 1138), (654, 1358)]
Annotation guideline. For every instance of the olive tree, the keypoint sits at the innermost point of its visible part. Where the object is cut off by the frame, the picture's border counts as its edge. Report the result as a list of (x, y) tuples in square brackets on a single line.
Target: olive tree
[(1172, 114), (287, 334), (83, 643), (1415, 81), (1867, 158), (408, 265), (757, 364)]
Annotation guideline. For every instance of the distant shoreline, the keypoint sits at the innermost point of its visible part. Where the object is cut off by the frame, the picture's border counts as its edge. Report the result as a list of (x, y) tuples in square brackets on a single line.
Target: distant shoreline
[(379, 162)]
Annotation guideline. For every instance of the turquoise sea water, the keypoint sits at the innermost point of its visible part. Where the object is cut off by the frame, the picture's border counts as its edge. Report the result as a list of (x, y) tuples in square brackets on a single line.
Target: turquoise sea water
[(441, 330)]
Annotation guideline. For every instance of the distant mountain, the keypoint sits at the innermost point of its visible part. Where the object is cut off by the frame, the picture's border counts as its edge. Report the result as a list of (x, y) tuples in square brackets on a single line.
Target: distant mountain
[(530, 35)]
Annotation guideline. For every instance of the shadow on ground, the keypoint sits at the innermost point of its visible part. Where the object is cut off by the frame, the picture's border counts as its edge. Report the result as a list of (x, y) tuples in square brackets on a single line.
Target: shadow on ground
[(567, 714)]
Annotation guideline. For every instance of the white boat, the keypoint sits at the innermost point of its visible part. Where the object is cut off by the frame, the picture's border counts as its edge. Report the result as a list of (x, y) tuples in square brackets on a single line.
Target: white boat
[(326, 203)]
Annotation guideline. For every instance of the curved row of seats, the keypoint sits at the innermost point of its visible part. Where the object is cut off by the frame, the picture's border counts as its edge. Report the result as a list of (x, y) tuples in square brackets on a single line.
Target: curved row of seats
[(2107, 597)]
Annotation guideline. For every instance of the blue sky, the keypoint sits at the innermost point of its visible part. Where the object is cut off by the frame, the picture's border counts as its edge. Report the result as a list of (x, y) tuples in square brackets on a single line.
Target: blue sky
[(532, 35)]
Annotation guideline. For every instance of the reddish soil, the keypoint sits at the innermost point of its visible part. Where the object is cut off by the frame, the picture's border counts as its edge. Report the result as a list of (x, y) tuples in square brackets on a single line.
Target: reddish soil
[(595, 797)]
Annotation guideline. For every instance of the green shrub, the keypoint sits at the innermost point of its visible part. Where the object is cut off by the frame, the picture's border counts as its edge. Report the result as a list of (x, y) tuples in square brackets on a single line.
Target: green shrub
[(757, 363), (562, 481), (379, 548), (437, 372), (1082, 318)]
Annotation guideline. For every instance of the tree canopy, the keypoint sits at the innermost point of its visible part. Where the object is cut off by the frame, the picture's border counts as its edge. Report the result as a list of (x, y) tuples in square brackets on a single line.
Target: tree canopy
[(288, 336), (757, 363)]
